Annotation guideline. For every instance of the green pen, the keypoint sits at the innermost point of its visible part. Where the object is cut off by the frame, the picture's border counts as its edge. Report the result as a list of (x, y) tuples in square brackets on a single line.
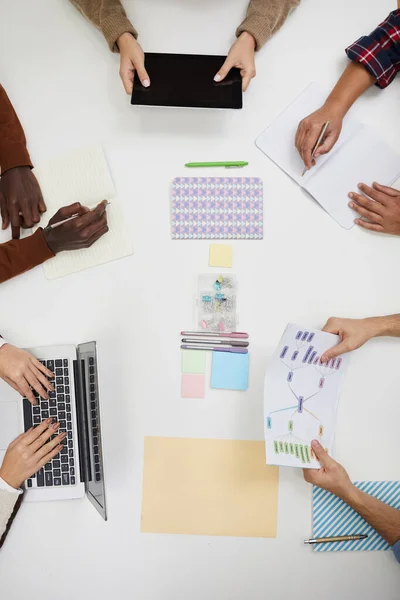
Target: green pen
[(236, 163)]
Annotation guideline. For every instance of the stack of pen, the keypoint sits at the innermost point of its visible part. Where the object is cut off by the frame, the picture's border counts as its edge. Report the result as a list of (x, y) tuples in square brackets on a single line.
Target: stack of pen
[(235, 341)]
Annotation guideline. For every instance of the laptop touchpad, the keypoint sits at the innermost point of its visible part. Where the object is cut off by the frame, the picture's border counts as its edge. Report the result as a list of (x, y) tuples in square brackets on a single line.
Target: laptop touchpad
[(9, 423)]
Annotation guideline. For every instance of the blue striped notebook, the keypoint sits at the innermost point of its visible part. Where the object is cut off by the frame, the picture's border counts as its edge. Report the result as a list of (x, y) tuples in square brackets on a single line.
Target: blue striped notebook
[(331, 516)]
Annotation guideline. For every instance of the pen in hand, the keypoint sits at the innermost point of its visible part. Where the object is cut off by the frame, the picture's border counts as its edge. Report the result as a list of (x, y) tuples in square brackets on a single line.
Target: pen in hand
[(55, 225), (318, 143)]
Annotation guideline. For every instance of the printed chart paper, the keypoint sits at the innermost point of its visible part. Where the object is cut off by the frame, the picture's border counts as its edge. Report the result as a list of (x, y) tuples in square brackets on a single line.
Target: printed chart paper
[(301, 397)]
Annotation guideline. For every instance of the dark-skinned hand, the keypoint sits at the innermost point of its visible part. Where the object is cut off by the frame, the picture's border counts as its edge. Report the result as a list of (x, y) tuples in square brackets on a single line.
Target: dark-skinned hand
[(81, 231), (21, 201), (382, 212)]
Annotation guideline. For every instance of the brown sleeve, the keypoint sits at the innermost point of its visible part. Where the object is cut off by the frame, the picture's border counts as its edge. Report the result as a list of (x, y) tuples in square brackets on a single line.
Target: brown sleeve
[(109, 16), (13, 152), (265, 17), (18, 256)]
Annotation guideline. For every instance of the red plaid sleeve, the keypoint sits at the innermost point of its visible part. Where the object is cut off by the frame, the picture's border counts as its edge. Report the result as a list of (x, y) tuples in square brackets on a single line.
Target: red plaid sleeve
[(379, 52)]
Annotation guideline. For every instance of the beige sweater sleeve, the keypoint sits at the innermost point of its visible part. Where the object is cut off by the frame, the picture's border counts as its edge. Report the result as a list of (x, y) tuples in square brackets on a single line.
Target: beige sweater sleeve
[(109, 16), (265, 17), (7, 503)]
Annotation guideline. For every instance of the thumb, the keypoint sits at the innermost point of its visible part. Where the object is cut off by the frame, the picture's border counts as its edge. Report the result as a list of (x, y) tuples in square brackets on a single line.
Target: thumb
[(327, 145), (4, 212), (67, 212), (142, 74), (335, 351), (322, 456), (224, 70)]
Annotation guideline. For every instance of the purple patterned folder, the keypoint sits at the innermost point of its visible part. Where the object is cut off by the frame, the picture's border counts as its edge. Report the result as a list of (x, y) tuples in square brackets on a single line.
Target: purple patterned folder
[(217, 208)]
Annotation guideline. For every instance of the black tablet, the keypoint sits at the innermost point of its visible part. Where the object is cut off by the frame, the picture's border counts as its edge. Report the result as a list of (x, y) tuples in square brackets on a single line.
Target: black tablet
[(187, 80)]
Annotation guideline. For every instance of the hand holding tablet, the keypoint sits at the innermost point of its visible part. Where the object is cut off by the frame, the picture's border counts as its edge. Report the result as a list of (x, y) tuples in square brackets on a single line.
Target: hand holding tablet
[(187, 80)]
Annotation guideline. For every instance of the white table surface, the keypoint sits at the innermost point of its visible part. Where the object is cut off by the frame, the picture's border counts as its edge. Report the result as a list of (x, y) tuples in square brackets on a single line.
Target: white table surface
[(65, 86)]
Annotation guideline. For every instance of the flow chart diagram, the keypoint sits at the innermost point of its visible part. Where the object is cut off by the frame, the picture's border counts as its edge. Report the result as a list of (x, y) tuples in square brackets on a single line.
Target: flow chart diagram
[(301, 397)]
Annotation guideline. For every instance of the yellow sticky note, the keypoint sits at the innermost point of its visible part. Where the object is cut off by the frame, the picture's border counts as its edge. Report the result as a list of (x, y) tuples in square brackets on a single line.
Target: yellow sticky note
[(208, 487), (220, 255)]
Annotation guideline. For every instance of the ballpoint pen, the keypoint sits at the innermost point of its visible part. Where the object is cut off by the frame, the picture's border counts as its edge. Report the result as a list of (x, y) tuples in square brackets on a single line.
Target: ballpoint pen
[(219, 342), (337, 538), (215, 348), (215, 334), (236, 163), (318, 143)]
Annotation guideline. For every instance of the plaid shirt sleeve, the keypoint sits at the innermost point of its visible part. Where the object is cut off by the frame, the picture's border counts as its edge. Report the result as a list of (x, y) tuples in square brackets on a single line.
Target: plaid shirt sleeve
[(379, 52)]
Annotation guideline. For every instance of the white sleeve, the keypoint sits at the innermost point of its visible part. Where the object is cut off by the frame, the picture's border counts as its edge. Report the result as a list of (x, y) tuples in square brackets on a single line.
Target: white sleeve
[(4, 486), (2, 342), (7, 503)]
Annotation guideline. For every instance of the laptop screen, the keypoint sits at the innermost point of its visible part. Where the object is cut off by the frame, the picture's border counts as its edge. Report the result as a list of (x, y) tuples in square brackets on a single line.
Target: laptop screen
[(92, 469)]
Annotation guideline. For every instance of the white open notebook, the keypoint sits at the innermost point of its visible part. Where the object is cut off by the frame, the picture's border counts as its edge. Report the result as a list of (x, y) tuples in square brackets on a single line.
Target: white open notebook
[(359, 155), (83, 176), (301, 397)]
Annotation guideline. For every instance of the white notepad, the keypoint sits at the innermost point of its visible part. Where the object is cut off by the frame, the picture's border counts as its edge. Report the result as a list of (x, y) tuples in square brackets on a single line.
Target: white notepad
[(301, 397), (360, 155), (83, 176)]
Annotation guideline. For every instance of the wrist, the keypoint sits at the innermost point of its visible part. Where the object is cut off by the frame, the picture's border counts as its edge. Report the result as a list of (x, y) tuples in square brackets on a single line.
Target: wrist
[(124, 39), (9, 480), (249, 39), (377, 326), (336, 107), (349, 494), (51, 240)]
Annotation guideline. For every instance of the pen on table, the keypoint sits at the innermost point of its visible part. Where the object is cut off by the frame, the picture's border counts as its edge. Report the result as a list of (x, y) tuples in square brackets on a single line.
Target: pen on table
[(337, 538), (55, 225), (215, 334), (235, 163), (215, 349), (318, 143), (219, 342)]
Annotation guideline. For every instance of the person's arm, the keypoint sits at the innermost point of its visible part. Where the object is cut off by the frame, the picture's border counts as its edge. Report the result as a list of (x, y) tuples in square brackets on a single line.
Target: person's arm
[(8, 499), (354, 333), (109, 16), (26, 455), (19, 189), (13, 150), (332, 477), (264, 18), (18, 256), (354, 81), (379, 52), (375, 59)]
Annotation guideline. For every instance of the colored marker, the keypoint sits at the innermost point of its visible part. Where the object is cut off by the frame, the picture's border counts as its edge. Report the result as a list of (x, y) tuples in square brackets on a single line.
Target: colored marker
[(215, 349), (215, 342), (215, 334)]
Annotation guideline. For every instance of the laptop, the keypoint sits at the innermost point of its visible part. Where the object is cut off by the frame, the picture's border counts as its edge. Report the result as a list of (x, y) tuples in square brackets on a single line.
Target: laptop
[(187, 81), (78, 469)]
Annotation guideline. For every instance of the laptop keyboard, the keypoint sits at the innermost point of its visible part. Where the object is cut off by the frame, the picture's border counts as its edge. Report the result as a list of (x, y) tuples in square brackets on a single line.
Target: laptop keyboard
[(94, 415), (60, 471)]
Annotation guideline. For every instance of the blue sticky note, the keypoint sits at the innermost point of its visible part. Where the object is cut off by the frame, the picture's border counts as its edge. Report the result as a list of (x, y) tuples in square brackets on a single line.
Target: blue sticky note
[(230, 371)]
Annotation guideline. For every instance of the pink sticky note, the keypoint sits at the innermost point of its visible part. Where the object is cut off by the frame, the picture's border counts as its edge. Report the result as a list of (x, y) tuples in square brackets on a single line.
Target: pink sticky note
[(193, 386)]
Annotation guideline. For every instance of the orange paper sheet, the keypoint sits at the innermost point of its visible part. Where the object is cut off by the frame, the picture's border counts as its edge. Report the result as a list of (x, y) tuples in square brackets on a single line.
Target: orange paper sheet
[(208, 487)]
